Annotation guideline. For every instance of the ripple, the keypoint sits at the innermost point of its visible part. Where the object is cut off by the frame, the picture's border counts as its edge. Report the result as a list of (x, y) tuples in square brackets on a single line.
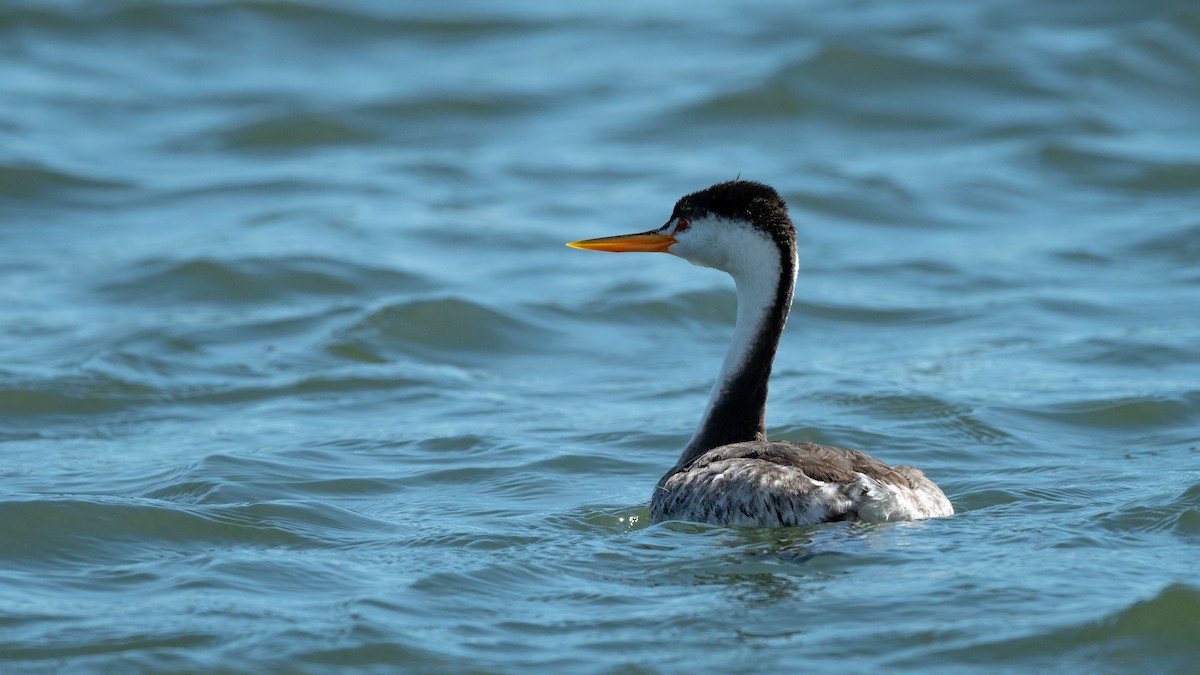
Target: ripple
[(1180, 515), (984, 498), (90, 398), (1131, 412), (629, 304), (91, 393), (252, 280), (1129, 352), (458, 120), (883, 316), (347, 21), (1180, 245), (1129, 169), (296, 130), (458, 108), (1158, 633), (872, 89), (26, 182), (955, 419), (107, 530), (294, 475), (451, 327)]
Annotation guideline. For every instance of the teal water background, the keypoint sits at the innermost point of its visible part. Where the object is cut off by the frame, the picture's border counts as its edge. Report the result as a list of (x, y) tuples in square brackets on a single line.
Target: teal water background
[(296, 374)]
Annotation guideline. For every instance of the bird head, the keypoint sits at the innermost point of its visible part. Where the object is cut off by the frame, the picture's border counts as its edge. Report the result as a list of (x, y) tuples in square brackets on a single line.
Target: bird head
[(724, 226)]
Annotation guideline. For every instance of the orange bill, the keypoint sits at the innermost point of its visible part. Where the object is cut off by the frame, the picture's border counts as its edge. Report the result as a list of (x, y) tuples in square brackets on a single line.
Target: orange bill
[(646, 242)]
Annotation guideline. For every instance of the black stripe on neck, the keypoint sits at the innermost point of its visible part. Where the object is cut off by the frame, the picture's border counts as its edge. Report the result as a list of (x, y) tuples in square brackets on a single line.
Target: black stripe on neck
[(739, 410)]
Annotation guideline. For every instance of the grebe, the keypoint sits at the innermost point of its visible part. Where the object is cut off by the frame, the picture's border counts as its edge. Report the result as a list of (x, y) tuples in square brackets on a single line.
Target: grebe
[(729, 473)]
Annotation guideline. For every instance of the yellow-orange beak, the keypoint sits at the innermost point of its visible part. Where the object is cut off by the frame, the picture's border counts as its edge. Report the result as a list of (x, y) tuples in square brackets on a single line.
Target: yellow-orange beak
[(646, 242)]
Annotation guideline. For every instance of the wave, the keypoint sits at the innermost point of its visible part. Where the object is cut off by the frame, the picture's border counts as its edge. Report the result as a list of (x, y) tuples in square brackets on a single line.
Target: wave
[(296, 130), (1157, 512), (948, 418), (1125, 412), (459, 108), (995, 80), (107, 531), (453, 328), (26, 398), (1158, 634), (632, 303), (34, 404), (1131, 168), (36, 182), (253, 280), (886, 316), (867, 86), (1178, 246), (1130, 352), (343, 21)]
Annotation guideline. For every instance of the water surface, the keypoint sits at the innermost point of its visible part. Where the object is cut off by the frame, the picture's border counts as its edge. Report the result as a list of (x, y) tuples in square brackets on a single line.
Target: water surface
[(297, 375)]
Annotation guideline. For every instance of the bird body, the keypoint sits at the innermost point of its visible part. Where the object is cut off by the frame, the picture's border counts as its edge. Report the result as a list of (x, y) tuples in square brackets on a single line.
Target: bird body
[(787, 484), (729, 473)]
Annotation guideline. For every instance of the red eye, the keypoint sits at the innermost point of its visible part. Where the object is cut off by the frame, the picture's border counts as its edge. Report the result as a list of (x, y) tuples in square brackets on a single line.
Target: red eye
[(681, 225)]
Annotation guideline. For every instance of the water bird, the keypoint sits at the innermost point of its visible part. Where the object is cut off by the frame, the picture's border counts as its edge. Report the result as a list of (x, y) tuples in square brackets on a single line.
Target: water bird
[(729, 473)]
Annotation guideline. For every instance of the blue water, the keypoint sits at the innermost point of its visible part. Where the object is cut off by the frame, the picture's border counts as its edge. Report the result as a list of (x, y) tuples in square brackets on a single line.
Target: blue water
[(296, 374)]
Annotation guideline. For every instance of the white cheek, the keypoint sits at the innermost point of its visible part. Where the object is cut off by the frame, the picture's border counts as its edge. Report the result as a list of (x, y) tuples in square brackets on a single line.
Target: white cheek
[(701, 248), (731, 246), (691, 253)]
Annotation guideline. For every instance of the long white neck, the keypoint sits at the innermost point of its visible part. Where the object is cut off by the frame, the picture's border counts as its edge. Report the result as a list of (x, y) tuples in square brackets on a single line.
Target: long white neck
[(736, 409)]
